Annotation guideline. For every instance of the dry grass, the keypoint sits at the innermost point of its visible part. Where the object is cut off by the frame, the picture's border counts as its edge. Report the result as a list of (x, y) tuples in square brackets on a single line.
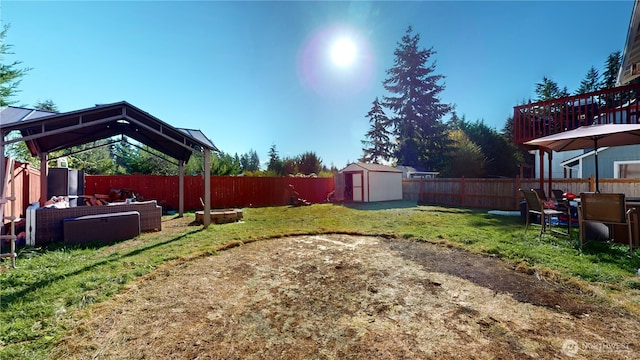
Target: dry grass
[(349, 297)]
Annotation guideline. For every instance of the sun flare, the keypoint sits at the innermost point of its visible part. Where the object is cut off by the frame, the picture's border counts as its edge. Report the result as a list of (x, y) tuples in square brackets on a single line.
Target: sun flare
[(343, 52)]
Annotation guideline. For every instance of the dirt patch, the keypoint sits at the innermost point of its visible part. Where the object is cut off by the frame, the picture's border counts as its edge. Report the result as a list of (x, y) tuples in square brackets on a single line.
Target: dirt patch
[(351, 297)]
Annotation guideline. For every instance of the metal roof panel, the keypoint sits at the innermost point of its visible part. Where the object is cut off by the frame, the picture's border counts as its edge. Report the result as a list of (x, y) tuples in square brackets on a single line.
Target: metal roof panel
[(46, 131), (197, 134), (11, 115)]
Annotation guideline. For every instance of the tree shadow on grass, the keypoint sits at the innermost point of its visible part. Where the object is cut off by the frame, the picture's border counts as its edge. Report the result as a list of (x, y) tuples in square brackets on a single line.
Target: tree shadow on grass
[(10, 297), (611, 253)]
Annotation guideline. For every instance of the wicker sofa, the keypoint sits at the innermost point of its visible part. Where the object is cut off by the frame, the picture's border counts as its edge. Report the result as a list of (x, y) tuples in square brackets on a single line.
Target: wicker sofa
[(49, 221)]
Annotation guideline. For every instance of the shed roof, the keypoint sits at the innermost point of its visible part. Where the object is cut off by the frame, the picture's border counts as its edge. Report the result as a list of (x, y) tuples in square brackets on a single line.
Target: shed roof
[(45, 131), (374, 167)]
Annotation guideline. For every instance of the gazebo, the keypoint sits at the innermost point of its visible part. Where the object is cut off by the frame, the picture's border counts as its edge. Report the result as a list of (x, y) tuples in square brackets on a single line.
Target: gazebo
[(44, 132)]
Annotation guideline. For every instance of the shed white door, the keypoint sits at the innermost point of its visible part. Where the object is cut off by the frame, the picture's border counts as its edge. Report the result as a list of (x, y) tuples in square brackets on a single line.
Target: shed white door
[(357, 187)]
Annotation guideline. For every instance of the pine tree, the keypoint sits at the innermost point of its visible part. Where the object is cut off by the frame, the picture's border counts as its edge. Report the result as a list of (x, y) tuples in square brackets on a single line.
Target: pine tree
[(549, 90), (378, 145), (289, 166), (275, 164), (465, 157), (309, 163), (591, 82), (254, 161), (46, 105), (455, 121), (244, 162), (10, 74), (499, 157), (223, 164), (96, 161), (127, 157), (420, 134), (612, 67)]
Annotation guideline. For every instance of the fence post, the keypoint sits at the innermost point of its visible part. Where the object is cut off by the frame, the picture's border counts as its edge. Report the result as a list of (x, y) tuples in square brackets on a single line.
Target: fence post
[(462, 197), (592, 183), (516, 192)]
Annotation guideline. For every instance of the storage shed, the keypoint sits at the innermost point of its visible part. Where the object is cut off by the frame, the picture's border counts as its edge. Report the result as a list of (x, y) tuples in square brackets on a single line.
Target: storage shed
[(360, 182)]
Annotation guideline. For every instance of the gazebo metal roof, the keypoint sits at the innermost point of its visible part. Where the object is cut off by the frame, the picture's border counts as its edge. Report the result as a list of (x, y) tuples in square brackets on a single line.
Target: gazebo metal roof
[(45, 131)]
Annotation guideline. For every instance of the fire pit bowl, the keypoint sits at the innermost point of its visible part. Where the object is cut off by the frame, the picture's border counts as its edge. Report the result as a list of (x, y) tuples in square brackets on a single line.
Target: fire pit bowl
[(221, 216)]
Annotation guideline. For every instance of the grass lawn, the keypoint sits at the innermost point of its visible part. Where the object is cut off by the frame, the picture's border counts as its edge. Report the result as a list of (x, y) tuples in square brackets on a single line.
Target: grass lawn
[(40, 298)]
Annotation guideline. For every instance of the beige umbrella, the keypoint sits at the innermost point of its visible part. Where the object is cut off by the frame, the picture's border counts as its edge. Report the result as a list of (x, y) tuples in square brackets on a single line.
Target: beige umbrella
[(594, 136)]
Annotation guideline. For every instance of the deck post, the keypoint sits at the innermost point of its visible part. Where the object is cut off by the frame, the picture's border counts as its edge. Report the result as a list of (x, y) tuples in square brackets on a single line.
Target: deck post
[(550, 178), (541, 166)]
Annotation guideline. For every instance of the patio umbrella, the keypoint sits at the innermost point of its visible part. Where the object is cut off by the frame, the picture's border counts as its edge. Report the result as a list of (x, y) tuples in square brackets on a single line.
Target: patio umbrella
[(593, 136)]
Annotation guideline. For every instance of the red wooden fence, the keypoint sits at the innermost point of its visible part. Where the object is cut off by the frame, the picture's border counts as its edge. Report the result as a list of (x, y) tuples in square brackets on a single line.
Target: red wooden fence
[(27, 186), (226, 191)]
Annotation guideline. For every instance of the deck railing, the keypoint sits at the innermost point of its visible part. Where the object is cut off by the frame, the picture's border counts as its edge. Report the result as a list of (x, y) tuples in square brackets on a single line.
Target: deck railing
[(610, 106)]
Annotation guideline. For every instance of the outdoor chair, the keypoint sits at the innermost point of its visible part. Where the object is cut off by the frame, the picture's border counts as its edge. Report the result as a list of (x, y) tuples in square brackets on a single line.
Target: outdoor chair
[(558, 195), (541, 194), (535, 205), (608, 209), (564, 204)]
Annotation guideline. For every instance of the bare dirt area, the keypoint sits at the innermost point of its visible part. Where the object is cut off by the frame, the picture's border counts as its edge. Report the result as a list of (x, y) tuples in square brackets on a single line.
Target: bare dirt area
[(351, 297)]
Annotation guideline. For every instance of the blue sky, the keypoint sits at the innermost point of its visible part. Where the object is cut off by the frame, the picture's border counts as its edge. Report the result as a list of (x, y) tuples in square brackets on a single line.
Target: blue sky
[(253, 74)]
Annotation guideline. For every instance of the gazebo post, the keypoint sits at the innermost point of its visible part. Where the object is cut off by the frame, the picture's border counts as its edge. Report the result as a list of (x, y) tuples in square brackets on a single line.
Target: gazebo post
[(206, 219), (550, 177), (181, 188), (541, 152), (2, 170), (43, 177)]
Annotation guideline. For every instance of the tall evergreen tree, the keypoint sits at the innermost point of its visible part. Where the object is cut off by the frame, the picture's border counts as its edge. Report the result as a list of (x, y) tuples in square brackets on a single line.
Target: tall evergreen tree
[(254, 161), (309, 163), (275, 164), (521, 156), (415, 88), (19, 150), (46, 105), (10, 76), (223, 164), (289, 166), (499, 158), (455, 121), (99, 160), (465, 157), (130, 159), (244, 162), (549, 90), (612, 67), (591, 82), (250, 161), (377, 145), (10, 73)]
